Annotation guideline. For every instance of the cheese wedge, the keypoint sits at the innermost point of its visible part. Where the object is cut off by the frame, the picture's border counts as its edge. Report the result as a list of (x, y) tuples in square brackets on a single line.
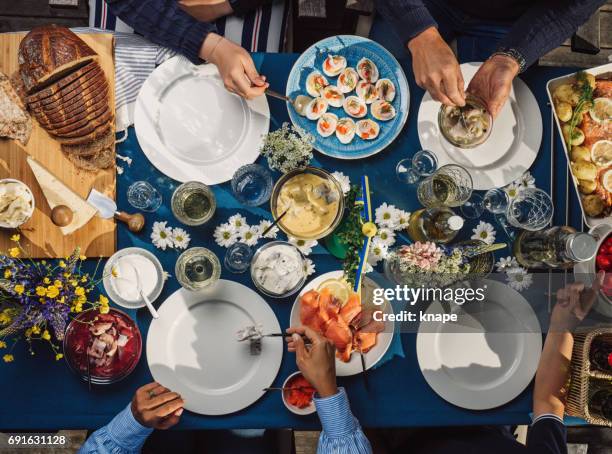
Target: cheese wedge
[(57, 193)]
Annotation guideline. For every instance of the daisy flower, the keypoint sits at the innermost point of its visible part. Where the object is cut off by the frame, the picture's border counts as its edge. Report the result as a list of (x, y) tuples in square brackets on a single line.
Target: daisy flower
[(518, 278), (484, 232), (249, 235), (225, 235), (162, 236), (505, 263), (403, 219), (386, 236), (527, 180), (367, 268), (378, 251), (263, 225), (305, 246), (180, 238), (345, 182), (309, 267), (237, 221), (513, 190), (387, 216)]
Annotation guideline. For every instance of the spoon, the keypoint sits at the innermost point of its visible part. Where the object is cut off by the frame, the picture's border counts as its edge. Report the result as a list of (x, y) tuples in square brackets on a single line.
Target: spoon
[(152, 310), (299, 103)]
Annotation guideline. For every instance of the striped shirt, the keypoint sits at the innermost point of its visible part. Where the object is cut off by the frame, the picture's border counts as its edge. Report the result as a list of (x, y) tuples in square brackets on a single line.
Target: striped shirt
[(341, 431)]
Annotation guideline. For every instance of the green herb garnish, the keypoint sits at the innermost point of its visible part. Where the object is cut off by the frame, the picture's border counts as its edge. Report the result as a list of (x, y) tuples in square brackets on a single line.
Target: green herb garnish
[(586, 97), (351, 235)]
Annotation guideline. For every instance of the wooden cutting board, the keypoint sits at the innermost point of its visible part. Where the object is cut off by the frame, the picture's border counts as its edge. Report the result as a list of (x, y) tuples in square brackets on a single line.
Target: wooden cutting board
[(40, 237)]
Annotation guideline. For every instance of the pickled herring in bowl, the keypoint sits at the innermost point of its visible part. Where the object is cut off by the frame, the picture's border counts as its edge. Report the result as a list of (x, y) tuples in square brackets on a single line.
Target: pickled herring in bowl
[(467, 126), (312, 200)]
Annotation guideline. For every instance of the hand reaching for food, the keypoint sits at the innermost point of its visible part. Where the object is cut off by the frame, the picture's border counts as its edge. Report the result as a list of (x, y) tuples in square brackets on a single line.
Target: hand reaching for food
[(317, 362), (436, 69), (235, 66), (574, 302), (493, 81), (157, 407)]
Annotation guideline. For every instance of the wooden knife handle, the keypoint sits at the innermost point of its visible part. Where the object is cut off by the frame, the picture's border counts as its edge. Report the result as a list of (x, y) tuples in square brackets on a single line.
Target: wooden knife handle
[(135, 222)]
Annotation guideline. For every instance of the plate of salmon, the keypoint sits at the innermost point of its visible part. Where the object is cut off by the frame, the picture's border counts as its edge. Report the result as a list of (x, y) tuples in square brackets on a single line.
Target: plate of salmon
[(347, 319)]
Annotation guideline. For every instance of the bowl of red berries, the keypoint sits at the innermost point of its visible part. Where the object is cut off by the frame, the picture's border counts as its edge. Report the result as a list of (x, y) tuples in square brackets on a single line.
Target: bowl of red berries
[(603, 261)]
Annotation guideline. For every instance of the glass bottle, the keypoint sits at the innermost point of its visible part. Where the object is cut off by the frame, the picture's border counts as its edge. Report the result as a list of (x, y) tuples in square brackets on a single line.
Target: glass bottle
[(556, 247), (440, 225), (600, 401), (600, 355)]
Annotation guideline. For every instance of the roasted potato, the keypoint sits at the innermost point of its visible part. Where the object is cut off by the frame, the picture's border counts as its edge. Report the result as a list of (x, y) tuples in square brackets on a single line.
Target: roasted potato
[(584, 170), (587, 186), (590, 78), (577, 135), (579, 153), (567, 93), (564, 111), (593, 205)]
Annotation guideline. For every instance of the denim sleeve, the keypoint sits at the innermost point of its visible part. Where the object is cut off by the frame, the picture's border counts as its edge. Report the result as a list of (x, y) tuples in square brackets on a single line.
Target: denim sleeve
[(546, 24), (165, 23), (408, 18), (123, 435)]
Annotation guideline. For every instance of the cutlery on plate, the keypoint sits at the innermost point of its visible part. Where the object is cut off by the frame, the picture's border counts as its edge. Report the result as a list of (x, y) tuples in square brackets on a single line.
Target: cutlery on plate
[(364, 371), (299, 103), (291, 388), (107, 209), (146, 299)]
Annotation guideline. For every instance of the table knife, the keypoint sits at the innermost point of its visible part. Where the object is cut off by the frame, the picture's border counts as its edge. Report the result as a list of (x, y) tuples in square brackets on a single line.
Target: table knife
[(107, 209)]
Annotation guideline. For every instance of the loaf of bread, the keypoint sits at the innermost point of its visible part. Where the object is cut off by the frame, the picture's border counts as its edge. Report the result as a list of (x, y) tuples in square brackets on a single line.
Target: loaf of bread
[(48, 53), (15, 123)]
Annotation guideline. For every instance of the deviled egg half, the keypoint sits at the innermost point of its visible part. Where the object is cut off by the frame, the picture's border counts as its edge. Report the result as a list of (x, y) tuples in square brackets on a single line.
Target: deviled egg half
[(367, 70), (315, 83), (333, 65), (347, 80), (333, 96), (345, 130), (316, 108), (382, 110), (385, 89), (355, 107), (326, 125), (367, 129)]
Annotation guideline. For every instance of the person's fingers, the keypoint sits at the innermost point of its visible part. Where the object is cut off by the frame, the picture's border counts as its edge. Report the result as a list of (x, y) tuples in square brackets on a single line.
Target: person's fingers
[(599, 281), (461, 84), (159, 400), (300, 349), (251, 72), (574, 296), (437, 94), (168, 422), (589, 295), (563, 296), (315, 338), (169, 408), (296, 329), (148, 387), (450, 88), (243, 84)]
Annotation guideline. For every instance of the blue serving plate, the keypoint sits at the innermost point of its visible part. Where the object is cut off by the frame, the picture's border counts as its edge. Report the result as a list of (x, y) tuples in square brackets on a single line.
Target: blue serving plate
[(353, 48)]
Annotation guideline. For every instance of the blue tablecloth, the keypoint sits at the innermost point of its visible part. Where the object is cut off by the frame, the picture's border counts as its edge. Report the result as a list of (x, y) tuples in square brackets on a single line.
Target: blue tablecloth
[(38, 393)]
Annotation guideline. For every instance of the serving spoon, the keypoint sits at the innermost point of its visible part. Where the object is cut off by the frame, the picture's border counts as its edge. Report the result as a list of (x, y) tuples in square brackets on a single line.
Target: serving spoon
[(299, 103), (146, 299)]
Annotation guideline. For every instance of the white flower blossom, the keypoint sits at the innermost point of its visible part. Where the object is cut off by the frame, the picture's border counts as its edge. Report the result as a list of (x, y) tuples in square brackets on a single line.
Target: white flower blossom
[(249, 235), (387, 216), (505, 263), (237, 221), (305, 246), (518, 278), (345, 182), (180, 238), (165, 275), (309, 267), (403, 219), (386, 236), (263, 225), (225, 235), (527, 180), (161, 236), (513, 190), (484, 232), (377, 252), (367, 268)]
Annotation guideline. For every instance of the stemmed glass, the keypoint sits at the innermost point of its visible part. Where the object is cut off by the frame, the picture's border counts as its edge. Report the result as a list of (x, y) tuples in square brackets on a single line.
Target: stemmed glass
[(412, 170), (495, 201), (449, 186)]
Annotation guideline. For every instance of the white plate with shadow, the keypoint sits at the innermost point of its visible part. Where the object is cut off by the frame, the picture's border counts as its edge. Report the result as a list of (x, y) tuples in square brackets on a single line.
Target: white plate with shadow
[(193, 350), (486, 358), (509, 151), (192, 129)]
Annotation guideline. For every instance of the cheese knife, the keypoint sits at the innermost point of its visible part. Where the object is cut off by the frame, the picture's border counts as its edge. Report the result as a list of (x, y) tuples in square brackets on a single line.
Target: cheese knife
[(107, 209)]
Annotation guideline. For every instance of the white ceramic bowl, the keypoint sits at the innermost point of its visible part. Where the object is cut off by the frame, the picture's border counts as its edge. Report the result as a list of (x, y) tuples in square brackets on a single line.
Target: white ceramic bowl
[(292, 408), (5, 225)]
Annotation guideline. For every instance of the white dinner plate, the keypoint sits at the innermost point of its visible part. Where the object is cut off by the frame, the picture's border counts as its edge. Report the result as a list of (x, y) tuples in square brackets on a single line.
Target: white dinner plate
[(193, 350), (383, 341), (192, 129), (510, 149), (485, 359)]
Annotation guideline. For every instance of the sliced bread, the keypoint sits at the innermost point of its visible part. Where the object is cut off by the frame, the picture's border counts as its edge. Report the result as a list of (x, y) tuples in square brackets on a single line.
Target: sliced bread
[(15, 122), (100, 160), (93, 119), (90, 79), (100, 131), (72, 115), (63, 82), (107, 140)]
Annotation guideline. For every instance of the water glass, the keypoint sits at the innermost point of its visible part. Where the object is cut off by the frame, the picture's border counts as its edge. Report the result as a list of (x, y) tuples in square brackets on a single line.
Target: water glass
[(496, 201), (423, 164), (473, 208), (193, 203), (252, 185), (449, 186), (197, 268), (238, 258), (531, 210), (143, 196)]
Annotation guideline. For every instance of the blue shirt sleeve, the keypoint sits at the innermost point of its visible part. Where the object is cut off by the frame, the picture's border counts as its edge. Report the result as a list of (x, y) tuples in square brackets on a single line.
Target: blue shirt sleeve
[(408, 18), (165, 23), (547, 435), (341, 433), (123, 435)]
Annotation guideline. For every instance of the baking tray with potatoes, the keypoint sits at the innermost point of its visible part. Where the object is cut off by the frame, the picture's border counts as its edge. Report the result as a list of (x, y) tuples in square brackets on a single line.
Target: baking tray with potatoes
[(582, 107)]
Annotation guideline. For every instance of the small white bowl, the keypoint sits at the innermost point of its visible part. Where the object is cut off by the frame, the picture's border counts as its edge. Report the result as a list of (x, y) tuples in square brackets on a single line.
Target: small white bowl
[(4, 225), (292, 408)]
